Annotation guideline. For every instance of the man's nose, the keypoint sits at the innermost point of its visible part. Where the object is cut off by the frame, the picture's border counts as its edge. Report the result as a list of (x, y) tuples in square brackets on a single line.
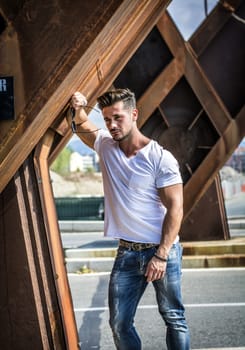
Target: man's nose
[(113, 124)]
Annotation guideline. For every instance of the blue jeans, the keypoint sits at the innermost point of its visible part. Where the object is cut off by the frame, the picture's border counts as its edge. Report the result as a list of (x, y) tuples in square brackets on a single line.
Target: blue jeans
[(127, 285)]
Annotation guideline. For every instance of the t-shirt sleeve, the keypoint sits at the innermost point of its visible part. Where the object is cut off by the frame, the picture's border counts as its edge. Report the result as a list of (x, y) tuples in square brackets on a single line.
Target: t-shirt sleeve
[(101, 135), (168, 172)]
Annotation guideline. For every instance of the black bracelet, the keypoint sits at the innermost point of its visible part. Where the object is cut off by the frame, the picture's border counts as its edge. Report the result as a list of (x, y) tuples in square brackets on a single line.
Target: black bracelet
[(160, 258), (74, 128), (86, 132)]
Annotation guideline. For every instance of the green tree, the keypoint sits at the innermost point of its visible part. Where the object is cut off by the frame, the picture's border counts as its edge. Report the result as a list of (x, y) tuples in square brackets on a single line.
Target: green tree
[(62, 162)]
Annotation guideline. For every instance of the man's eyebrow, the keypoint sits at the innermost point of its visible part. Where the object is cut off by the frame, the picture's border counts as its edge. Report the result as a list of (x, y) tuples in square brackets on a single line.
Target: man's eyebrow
[(113, 115)]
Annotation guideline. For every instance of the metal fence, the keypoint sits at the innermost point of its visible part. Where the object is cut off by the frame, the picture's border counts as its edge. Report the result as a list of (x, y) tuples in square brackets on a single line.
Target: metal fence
[(80, 208)]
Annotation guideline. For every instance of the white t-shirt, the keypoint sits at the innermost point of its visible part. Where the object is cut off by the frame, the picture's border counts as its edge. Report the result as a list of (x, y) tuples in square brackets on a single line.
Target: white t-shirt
[(133, 209)]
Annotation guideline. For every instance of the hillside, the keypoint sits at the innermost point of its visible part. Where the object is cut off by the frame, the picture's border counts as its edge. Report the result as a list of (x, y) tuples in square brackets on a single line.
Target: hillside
[(77, 184)]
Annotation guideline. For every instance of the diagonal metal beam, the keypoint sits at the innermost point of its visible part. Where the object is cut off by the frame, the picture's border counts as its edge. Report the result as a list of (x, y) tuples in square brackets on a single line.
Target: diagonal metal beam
[(205, 92), (219, 154), (159, 89), (211, 27), (195, 75), (231, 131)]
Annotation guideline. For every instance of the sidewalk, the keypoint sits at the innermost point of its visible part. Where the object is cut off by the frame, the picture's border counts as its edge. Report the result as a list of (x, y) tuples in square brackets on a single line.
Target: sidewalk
[(92, 252)]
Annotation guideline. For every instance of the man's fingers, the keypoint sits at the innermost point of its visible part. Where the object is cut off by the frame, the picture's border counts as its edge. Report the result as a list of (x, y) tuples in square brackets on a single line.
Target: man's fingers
[(154, 271), (78, 100), (150, 272)]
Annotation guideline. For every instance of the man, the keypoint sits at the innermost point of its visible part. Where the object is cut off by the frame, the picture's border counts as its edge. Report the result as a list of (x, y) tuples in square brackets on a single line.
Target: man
[(143, 210)]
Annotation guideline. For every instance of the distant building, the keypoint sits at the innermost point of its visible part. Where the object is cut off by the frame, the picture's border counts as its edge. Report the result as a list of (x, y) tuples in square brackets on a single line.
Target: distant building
[(80, 163), (237, 160), (83, 162), (232, 174)]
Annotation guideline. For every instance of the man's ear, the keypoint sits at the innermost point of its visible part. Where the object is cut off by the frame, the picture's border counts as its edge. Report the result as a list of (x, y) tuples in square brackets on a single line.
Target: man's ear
[(135, 114)]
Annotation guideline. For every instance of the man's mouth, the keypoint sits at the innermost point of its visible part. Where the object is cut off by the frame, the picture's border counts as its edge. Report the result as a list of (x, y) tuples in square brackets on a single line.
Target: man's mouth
[(115, 132)]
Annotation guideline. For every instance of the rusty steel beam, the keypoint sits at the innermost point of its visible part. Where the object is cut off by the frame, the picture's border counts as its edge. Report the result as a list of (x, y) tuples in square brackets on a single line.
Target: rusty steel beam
[(171, 35), (194, 74), (54, 239), (30, 313), (24, 218), (218, 155), (207, 31), (207, 220), (114, 55), (141, 19), (159, 89), (65, 36), (205, 92)]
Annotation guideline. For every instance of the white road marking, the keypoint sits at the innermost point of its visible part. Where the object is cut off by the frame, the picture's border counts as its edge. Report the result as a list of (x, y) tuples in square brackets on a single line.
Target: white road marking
[(105, 308), (81, 275), (239, 348)]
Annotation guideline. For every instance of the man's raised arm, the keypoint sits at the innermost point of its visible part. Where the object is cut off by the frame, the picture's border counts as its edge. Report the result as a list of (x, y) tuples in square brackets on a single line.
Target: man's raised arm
[(85, 129)]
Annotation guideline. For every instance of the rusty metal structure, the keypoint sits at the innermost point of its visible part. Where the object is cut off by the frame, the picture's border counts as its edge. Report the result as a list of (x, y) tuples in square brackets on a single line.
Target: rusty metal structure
[(190, 95)]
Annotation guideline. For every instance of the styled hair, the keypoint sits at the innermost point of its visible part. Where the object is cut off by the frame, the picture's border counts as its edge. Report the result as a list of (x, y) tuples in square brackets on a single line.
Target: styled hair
[(109, 98)]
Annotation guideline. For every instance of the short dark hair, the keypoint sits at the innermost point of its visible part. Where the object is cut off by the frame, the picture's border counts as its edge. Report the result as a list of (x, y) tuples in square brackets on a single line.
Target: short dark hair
[(113, 96)]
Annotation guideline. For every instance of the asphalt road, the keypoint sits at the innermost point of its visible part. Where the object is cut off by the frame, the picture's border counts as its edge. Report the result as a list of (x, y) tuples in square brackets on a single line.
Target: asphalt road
[(215, 310)]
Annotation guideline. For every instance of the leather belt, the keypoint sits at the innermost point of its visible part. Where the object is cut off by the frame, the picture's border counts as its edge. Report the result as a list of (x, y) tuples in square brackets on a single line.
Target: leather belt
[(135, 245)]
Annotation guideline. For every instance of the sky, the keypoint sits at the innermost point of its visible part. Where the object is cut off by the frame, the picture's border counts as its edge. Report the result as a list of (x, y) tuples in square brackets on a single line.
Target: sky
[(96, 116), (189, 14)]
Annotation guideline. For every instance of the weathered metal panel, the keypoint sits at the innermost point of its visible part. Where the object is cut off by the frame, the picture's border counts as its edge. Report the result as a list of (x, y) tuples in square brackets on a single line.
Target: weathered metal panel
[(30, 315), (207, 221), (223, 63)]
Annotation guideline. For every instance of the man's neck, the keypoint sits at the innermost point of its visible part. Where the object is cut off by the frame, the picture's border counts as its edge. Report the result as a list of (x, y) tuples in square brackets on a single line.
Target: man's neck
[(133, 144)]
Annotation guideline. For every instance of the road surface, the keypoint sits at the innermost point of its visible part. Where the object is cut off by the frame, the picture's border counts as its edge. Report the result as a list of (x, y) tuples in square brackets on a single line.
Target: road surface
[(215, 310)]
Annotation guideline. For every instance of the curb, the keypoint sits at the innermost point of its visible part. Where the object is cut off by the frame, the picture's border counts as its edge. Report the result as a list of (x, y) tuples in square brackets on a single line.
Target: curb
[(217, 254), (105, 264), (74, 265), (206, 254), (81, 226), (236, 224)]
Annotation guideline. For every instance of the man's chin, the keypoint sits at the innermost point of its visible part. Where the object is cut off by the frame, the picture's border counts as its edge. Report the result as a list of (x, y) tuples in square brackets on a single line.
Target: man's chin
[(119, 138), (116, 137)]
